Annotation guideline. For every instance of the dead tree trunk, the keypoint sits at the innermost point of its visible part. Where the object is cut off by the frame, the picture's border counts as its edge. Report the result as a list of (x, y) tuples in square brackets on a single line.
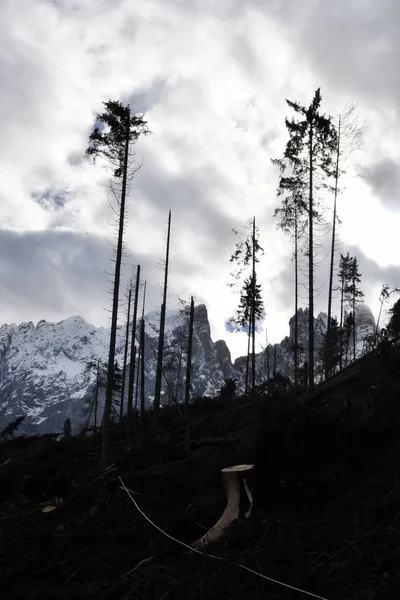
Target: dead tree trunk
[(142, 362), (96, 398), (239, 502), (332, 262), (160, 354), (121, 408), (189, 357), (296, 304), (311, 264), (114, 316), (246, 389), (253, 310), (137, 382), (129, 419)]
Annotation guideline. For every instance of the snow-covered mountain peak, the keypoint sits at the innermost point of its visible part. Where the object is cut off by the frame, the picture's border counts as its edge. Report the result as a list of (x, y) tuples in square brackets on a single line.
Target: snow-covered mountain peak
[(43, 371), (43, 368)]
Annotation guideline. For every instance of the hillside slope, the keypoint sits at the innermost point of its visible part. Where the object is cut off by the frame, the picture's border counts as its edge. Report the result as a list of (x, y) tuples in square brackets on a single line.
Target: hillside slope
[(326, 515)]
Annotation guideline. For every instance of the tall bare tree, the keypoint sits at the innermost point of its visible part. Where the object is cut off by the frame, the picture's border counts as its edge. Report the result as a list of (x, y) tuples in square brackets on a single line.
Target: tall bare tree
[(354, 295), (251, 306), (129, 423), (112, 140), (292, 213), (349, 140), (142, 361), (121, 410), (306, 164), (160, 354), (189, 357), (344, 266), (384, 296)]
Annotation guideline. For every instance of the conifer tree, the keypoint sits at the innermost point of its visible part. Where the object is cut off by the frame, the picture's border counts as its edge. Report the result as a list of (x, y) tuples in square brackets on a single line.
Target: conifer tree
[(353, 294), (251, 305), (11, 428), (349, 140), (67, 428), (344, 270), (117, 387), (384, 296), (330, 349), (348, 328), (292, 214), (113, 141), (393, 327), (306, 164)]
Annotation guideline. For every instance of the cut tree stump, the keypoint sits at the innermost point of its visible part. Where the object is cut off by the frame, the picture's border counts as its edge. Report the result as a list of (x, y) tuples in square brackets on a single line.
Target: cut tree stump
[(239, 502)]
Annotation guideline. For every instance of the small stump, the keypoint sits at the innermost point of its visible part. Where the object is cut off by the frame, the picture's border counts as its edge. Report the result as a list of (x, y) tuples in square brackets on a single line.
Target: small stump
[(239, 502)]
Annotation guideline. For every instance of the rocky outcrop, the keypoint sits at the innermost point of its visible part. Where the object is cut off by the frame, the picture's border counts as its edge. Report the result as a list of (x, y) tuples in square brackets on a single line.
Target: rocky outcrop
[(43, 373)]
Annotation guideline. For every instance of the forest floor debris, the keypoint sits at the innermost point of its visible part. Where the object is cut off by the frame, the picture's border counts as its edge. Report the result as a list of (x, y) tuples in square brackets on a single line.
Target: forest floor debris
[(326, 515)]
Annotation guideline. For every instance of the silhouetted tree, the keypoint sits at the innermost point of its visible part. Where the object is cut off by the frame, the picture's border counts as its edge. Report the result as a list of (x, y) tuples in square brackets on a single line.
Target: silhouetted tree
[(11, 428), (306, 164), (142, 361), (67, 428), (384, 296), (353, 294), (160, 353), (117, 387), (330, 348), (349, 139), (344, 274), (393, 327), (125, 352), (112, 141), (251, 305), (348, 329), (292, 222), (129, 423), (189, 357), (228, 390)]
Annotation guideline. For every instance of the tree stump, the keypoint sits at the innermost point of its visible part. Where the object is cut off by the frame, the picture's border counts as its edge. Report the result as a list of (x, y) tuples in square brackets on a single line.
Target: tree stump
[(239, 502)]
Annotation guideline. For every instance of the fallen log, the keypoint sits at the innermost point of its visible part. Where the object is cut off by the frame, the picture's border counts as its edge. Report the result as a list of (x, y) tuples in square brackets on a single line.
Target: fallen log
[(239, 502)]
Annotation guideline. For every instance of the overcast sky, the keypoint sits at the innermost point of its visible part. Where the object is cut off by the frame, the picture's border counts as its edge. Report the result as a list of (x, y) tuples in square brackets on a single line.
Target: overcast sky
[(212, 78)]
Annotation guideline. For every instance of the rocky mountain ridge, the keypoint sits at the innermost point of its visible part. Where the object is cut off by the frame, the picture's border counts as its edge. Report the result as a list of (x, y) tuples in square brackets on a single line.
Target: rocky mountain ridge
[(43, 375)]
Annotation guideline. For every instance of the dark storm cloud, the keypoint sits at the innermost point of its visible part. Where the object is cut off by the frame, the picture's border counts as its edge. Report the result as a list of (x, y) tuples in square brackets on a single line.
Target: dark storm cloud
[(147, 98), (384, 179), (54, 273), (40, 270)]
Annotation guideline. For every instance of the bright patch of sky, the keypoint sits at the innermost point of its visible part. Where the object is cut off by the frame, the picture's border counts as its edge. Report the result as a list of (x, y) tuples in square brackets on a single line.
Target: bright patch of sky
[(212, 80)]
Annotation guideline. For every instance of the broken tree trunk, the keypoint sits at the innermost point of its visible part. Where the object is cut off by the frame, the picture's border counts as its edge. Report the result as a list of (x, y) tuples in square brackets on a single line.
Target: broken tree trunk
[(239, 502)]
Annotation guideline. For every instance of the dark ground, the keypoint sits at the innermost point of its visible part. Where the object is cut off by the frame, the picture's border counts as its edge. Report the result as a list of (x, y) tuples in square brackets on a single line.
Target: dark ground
[(327, 503)]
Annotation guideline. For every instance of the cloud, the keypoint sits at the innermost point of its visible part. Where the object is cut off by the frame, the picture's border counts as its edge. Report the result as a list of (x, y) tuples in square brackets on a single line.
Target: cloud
[(384, 179), (212, 80)]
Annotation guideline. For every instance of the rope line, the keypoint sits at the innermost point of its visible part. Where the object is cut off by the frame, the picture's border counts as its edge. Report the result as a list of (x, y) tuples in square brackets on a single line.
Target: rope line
[(212, 555)]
